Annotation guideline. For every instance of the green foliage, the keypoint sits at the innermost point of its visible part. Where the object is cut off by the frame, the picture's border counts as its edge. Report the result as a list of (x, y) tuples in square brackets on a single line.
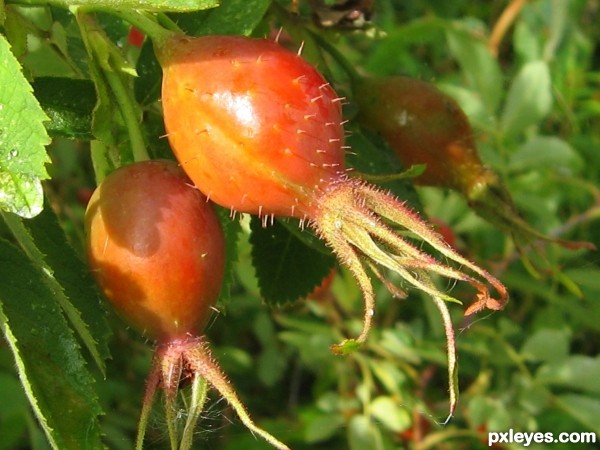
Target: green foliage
[(68, 71), (22, 140), (276, 253), (47, 356)]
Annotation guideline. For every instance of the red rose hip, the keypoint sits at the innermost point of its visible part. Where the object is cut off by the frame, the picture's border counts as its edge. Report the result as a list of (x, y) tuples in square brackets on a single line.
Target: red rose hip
[(156, 248)]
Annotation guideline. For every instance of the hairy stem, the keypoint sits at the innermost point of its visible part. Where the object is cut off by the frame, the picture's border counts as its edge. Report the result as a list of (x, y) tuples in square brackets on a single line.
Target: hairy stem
[(201, 362), (151, 385), (197, 401)]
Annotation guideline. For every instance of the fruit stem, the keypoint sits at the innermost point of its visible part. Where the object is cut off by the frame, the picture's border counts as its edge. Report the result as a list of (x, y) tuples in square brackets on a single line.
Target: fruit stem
[(201, 362), (151, 385), (109, 69), (128, 108), (171, 416), (198, 398)]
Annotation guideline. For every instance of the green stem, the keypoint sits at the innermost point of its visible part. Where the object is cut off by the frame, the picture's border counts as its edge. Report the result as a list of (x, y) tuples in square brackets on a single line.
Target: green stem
[(108, 65), (171, 417), (151, 385), (150, 26), (354, 76), (128, 107), (101, 163), (201, 362), (199, 395)]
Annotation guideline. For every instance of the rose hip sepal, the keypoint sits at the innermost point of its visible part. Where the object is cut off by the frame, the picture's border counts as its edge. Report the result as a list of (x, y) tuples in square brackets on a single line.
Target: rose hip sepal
[(156, 248), (423, 125)]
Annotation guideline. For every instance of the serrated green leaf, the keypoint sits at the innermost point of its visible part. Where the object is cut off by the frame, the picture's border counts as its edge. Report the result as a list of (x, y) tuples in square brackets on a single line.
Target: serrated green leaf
[(286, 268), (22, 140), (68, 103), (529, 98), (44, 241), (231, 17), (48, 358), (478, 64)]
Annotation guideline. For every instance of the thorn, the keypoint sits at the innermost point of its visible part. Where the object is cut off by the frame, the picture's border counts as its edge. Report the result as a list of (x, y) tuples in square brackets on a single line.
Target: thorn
[(265, 220), (330, 124), (321, 151), (272, 219), (312, 164), (344, 122), (324, 85), (278, 35), (260, 210), (309, 116), (293, 209), (300, 131), (301, 48), (332, 140), (338, 99), (313, 100), (298, 79)]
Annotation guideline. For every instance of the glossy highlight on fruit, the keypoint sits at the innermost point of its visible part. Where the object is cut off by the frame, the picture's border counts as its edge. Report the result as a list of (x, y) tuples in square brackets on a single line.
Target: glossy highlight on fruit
[(156, 248), (255, 126)]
